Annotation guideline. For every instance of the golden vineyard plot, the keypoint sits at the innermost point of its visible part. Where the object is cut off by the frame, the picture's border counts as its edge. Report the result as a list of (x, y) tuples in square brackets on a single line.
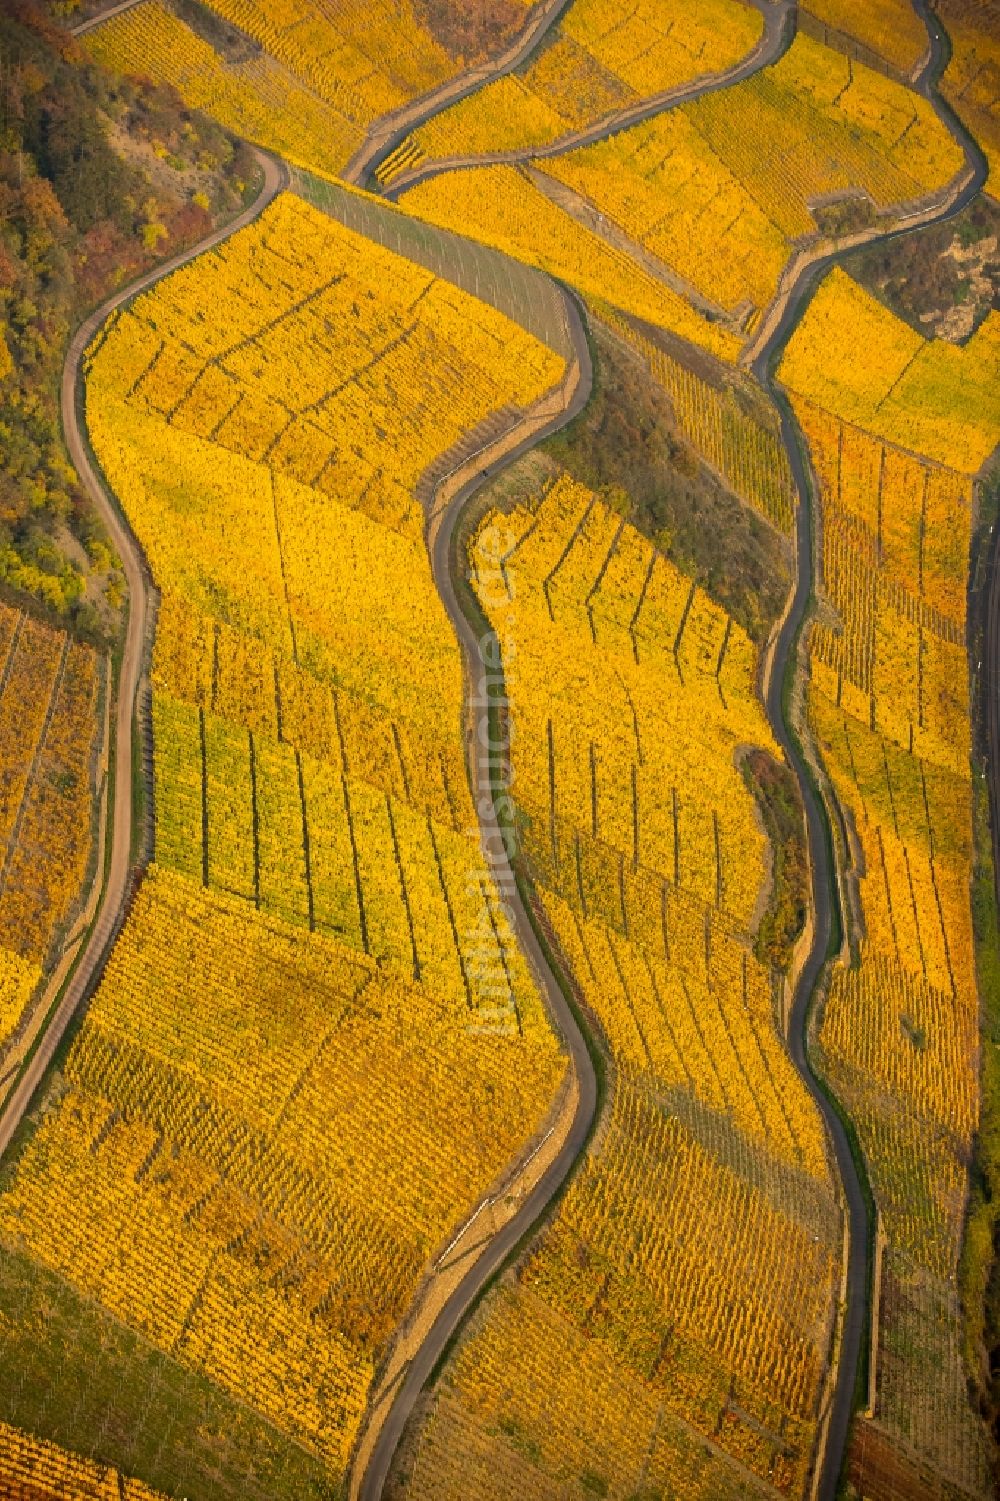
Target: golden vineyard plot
[(713, 198), (672, 1326), (723, 190), (896, 442), (51, 689), (599, 60), (302, 78), (316, 1044)]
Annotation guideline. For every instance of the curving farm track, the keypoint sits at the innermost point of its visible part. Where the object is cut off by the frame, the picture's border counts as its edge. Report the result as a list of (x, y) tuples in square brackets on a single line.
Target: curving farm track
[(83, 27), (385, 134), (990, 694), (110, 908)]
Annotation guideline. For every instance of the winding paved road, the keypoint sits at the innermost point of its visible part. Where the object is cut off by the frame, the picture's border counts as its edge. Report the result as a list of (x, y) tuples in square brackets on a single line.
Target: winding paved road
[(779, 29), (775, 40), (990, 694), (389, 131), (110, 909), (823, 879), (440, 546), (854, 1322)]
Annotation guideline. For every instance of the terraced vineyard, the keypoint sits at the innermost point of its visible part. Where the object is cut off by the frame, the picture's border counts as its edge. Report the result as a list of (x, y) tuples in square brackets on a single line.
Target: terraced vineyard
[(312, 817), (490, 1004), (886, 30), (641, 837), (889, 704), (595, 63), (506, 208), (742, 448), (32, 1469), (754, 162), (300, 79), (748, 173), (970, 83), (257, 97)]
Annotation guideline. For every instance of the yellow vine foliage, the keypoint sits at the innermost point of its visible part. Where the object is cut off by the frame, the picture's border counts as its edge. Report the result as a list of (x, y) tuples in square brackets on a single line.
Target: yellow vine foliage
[(591, 601), (888, 701), (507, 115), (18, 981), (316, 1044), (598, 61), (970, 80), (296, 460), (686, 1285), (48, 743), (255, 97), (571, 1372), (366, 57), (304, 79), (254, 1143), (738, 444), (740, 168), (503, 207), (655, 46), (891, 28), (716, 236), (939, 400), (32, 1469)]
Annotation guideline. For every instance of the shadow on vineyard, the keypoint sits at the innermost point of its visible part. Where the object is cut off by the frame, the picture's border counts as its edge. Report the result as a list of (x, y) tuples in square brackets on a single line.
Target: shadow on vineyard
[(231, 44), (626, 446), (980, 1264), (777, 794)]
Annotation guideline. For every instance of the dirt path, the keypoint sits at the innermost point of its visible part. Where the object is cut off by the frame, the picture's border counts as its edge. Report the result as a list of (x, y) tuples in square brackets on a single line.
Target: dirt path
[(777, 36), (111, 906)]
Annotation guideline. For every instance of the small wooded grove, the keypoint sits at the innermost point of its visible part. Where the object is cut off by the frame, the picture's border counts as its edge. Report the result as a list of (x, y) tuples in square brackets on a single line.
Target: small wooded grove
[(98, 176)]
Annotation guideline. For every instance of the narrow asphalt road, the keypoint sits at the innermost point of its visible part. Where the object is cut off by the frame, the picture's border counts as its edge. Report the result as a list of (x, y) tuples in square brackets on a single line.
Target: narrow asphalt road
[(775, 40), (820, 848), (389, 131), (820, 859), (779, 29), (475, 664), (94, 953)]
